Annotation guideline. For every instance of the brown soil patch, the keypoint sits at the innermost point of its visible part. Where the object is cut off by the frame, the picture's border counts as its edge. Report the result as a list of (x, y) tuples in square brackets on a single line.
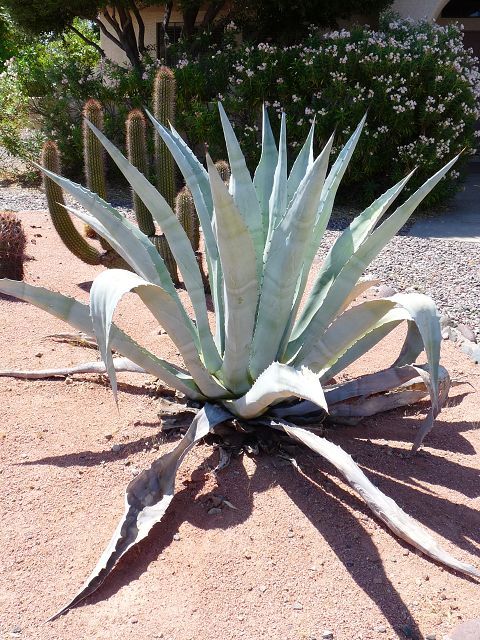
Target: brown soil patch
[(301, 554)]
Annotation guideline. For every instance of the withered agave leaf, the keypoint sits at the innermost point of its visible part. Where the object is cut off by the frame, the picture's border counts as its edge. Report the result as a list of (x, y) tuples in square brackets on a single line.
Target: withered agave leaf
[(146, 500), (385, 508)]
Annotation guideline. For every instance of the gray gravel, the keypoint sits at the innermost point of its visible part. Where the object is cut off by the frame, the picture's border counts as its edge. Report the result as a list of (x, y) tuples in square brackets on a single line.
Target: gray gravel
[(448, 271)]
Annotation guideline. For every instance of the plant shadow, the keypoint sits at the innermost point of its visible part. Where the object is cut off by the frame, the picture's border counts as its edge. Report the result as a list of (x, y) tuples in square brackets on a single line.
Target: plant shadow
[(326, 504)]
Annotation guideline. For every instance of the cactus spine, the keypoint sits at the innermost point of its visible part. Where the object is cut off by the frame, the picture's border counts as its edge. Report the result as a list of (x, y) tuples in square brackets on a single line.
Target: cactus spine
[(62, 222), (223, 169), (164, 89), (12, 246), (137, 154), (187, 216)]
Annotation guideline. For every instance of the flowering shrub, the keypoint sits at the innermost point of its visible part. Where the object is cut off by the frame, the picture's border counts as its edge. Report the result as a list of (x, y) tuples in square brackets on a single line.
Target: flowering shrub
[(421, 89)]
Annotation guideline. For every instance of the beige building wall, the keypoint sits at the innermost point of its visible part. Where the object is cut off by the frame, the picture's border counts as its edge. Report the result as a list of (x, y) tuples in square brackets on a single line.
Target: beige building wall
[(418, 9)]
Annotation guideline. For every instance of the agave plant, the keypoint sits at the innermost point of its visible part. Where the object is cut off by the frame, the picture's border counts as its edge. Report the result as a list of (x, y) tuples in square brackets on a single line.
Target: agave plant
[(271, 360)]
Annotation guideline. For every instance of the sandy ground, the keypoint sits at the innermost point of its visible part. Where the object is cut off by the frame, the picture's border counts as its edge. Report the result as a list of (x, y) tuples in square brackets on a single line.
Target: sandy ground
[(300, 555)]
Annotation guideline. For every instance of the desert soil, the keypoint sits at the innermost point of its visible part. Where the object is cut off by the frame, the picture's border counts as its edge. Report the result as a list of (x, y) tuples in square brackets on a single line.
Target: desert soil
[(299, 555)]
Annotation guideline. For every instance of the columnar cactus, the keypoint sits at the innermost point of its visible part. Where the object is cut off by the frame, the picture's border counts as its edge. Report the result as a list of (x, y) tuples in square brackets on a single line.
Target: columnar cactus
[(12, 246), (93, 153), (137, 154), (187, 216), (163, 249), (164, 88), (62, 222), (94, 158)]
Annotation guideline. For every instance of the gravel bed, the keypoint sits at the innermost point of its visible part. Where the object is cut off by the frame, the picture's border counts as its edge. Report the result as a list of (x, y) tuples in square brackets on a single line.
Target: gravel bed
[(447, 271)]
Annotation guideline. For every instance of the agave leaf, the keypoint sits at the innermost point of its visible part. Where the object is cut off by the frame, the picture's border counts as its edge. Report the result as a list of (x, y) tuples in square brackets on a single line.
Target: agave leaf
[(120, 364), (356, 265), (385, 390), (302, 163), (443, 389), (146, 499), (238, 259), (423, 312), (412, 346), (277, 206), (371, 384), (264, 174), (107, 290), (383, 507), (342, 250), (276, 382), (364, 344), (197, 181), (196, 178), (348, 328), (323, 216), (242, 189), (356, 292), (124, 236), (283, 266), (77, 315), (178, 242), (328, 198), (360, 320)]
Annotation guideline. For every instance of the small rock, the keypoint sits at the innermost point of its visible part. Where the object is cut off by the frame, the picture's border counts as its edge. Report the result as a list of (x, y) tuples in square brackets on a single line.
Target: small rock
[(39, 354), (381, 629), (262, 588), (214, 511), (116, 448), (133, 620), (240, 617), (469, 630), (290, 534), (176, 536), (108, 436), (16, 630), (467, 332), (327, 635), (247, 555), (472, 350), (430, 636), (68, 380), (298, 606), (445, 321), (135, 471), (406, 552), (217, 500), (384, 291)]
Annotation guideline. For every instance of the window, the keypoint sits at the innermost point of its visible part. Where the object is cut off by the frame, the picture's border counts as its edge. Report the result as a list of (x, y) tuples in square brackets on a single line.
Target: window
[(174, 32), (461, 9)]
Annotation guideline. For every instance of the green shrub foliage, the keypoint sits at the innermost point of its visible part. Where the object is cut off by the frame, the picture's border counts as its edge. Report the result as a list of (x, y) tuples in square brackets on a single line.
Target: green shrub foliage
[(420, 86)]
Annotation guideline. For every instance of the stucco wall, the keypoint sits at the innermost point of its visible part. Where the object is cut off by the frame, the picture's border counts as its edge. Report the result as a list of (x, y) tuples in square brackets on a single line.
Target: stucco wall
[(419, 9), (151, 16)]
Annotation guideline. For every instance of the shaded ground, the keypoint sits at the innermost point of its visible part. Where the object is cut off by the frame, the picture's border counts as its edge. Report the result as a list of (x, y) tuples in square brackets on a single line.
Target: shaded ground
[(299, 555)]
